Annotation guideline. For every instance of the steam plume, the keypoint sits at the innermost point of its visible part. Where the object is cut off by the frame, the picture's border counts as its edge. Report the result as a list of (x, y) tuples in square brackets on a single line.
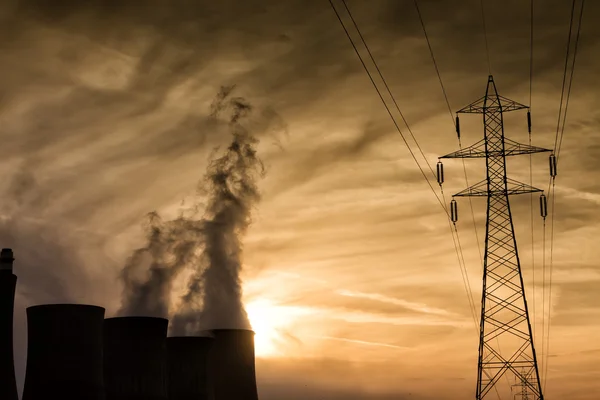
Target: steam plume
[(171, 246), (210, 245), (232, 193)]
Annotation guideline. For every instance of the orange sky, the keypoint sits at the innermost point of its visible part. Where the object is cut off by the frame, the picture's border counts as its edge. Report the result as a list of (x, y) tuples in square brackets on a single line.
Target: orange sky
[(351, 278)]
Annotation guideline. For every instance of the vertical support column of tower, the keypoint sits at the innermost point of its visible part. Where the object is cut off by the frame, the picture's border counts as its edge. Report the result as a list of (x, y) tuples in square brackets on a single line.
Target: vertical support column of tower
[(505, 341), (8, 283)]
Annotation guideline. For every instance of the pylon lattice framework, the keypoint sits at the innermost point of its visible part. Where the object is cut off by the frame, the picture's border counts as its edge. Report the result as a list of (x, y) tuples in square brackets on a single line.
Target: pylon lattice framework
[(505, 340)]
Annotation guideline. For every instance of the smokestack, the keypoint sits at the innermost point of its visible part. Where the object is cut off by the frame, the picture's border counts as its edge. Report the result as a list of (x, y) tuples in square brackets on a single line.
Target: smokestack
[(232, 365), (135, 358), (64, 352), (8, 283), (187, 364)]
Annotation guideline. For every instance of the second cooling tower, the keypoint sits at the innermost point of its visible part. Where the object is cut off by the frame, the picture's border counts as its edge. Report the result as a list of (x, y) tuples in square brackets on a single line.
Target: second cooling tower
[(64, 352), (231, 365), (135, 358), (187, 364)]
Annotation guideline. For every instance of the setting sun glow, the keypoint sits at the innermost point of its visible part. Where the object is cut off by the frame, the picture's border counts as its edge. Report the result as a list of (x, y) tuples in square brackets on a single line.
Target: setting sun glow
[(269, 322)]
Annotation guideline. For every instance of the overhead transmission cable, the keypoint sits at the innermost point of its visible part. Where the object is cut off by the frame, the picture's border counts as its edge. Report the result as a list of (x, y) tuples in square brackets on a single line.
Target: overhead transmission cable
[(545, 325), (386, 106), (487, 49), (531, 200), (548, 281), (457, 241), (458, 245), (386, 86), (463, 267), (453, 122), (557, 147)]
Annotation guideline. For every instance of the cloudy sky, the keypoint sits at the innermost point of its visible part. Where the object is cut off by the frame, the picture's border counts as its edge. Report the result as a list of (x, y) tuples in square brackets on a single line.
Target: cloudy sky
[(351, 278)]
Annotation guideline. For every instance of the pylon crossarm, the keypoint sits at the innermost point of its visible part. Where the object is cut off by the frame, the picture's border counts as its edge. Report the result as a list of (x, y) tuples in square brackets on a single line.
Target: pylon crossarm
[(477, 190), (476, 150), (516, 187), (512, 188), (501, 105), (512, 148)]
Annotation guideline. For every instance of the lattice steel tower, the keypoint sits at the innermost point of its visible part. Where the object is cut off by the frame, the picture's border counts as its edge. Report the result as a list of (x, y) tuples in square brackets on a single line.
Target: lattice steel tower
[(506, 347)]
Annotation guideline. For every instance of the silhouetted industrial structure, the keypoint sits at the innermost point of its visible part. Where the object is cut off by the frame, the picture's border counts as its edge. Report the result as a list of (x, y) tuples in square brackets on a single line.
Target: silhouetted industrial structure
[(64, 352), (231, 365), (74, 353), (8, 283), (505, 340), (187, 364), (135, 358)]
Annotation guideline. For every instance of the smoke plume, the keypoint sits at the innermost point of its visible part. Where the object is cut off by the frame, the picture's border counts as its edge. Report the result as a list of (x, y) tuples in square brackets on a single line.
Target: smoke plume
[(171, 246), (210, 245)]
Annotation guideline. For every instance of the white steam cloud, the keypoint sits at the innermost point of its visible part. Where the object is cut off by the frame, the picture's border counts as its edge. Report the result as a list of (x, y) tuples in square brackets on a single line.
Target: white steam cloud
[(209, 244)]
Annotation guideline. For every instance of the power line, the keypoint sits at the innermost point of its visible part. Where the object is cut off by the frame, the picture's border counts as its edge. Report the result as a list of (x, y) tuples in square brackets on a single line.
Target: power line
[(562, 93), (545, 325), (386, 106), (531, 202), (456, 241), (487, 50), (463, 271), (463, 266), (557, 148), (570, 79), (434, 62), (453, 121), (386, 86), (530, 51)]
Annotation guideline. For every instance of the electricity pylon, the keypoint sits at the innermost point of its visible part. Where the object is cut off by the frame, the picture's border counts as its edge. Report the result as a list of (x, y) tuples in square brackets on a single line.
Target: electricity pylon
[(522, 388), (505, 337)]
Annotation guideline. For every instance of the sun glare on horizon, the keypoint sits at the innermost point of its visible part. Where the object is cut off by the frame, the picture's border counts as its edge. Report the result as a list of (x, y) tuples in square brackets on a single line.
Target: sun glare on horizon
[(269, 320)]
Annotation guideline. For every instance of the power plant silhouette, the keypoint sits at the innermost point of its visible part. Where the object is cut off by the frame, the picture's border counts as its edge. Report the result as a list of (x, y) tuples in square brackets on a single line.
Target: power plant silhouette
[(73, 352)]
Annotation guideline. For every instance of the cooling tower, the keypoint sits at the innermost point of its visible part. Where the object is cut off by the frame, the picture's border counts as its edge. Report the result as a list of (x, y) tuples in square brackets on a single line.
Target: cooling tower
[(64, 352), (232, 365), (8, 283), (135, 358), (187, 364)]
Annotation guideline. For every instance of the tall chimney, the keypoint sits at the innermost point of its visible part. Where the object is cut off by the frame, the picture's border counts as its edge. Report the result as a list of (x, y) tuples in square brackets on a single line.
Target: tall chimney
[(135, 358), (8, 283), (232, 365), (187, 364), (64, 352)]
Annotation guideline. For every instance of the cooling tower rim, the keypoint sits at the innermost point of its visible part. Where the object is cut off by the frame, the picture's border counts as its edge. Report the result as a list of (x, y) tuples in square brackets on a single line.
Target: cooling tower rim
[(65, 306), (135, 318), (190, 338)]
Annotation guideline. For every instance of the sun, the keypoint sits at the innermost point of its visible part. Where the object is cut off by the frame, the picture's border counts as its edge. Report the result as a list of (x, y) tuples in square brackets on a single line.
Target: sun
[(267, 321)]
